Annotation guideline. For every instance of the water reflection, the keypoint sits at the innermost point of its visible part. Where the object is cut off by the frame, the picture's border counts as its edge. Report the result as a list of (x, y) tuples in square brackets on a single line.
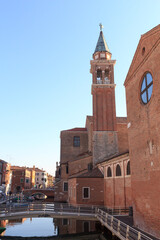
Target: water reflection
[(29, 227), (36, 227), (71, 226)]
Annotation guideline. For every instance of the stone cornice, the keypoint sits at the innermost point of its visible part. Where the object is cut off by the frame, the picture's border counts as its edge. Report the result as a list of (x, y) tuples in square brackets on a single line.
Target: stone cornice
[(103, 62), (102, 86)]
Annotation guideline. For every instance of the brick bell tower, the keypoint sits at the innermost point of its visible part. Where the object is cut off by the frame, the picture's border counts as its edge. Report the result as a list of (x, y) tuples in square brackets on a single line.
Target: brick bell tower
[(105, 142)]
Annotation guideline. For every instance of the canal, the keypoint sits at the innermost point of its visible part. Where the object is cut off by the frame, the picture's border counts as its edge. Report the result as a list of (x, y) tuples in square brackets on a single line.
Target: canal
[(52, 228)]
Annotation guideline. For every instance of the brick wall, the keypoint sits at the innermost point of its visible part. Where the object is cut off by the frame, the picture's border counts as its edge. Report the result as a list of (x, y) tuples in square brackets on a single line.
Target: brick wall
[(68, 151), (117, 189), (143, 133), (122, 137), (96, 186)]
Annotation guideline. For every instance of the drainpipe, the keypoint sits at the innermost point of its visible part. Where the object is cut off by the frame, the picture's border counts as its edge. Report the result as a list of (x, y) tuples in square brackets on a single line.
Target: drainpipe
[(113, 187), (124, 185)]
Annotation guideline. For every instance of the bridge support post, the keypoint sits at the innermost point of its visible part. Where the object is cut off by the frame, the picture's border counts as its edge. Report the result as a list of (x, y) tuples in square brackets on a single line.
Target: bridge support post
[(139, 235), (112, 222), (118, 227), (127, 232)]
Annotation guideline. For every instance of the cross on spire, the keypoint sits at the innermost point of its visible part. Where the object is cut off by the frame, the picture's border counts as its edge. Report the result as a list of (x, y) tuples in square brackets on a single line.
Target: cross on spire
[(101, 26)]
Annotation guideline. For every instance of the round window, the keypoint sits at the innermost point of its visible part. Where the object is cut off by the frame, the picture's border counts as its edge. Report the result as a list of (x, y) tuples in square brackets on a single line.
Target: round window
[(146, 88)]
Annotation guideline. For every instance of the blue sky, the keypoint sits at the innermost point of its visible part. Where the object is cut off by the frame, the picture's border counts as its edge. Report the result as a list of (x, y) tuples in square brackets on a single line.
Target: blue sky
[(45, 52)]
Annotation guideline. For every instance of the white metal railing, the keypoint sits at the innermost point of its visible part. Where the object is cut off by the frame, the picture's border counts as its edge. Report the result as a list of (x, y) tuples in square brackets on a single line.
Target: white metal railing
[(34, 208), (120, 229)]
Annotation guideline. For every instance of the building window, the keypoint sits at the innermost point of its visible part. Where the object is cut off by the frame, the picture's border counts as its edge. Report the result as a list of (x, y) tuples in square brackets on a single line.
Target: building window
[(67, 169), (118, 171), (128, 168), (37, 174), (65, 186), (76, 141), (27, 180), (109, 172), (90, 166), (65, 221), (21, 180), (86, 192), (99, 76), (106, 78), (146, 88)]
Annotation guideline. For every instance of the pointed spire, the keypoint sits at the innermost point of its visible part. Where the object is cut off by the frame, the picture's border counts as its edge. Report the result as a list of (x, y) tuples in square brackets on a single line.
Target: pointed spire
[(101, 44)]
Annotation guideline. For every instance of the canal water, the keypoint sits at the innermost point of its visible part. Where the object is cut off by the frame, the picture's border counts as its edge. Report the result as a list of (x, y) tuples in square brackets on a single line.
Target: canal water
[(49, 228)]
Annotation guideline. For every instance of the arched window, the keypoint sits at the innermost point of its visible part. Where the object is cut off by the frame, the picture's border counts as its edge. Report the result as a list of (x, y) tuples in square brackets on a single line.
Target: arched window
[(106, 78), (118, 170), (109, 172), (128, 168), (99, 76)]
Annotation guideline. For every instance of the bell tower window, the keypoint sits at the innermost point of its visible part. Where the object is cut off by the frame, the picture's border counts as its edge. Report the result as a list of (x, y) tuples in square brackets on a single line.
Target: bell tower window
[(106, 78), (99, 76)]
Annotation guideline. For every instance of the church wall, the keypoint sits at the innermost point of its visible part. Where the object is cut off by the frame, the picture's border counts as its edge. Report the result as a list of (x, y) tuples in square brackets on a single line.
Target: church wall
[(89, 126), (79, 165), (144, 138), (68, 151), (117, 189), (72, 196), (96, 186), (59, 194), (122, 137)]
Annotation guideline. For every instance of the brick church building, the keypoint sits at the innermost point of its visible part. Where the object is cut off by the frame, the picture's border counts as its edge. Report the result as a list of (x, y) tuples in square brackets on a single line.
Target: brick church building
[(114, 161), (88, 154), (143, 109)]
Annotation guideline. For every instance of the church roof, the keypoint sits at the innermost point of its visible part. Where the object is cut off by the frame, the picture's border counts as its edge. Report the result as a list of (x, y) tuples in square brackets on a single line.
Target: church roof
[(94, 173), (77, 129), (101, 44)]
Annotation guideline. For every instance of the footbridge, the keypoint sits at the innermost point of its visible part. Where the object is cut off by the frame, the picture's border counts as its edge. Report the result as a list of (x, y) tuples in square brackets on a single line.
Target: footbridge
[(115, 220), (46, 192), (29, 210)]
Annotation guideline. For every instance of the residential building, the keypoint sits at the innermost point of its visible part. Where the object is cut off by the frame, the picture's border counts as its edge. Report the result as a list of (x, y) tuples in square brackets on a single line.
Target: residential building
[(21, 179), (41, 180), (50, 181), (5, 176)]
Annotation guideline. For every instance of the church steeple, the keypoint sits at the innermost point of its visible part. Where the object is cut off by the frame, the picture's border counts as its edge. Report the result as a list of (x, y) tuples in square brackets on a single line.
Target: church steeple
[(103, 92), (102, 50), (101, 44)]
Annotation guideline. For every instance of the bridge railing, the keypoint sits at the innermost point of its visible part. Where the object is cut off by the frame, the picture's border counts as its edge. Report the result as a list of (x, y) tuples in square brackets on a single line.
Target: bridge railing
[(122, 230), (30, 208), (58, 208)]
